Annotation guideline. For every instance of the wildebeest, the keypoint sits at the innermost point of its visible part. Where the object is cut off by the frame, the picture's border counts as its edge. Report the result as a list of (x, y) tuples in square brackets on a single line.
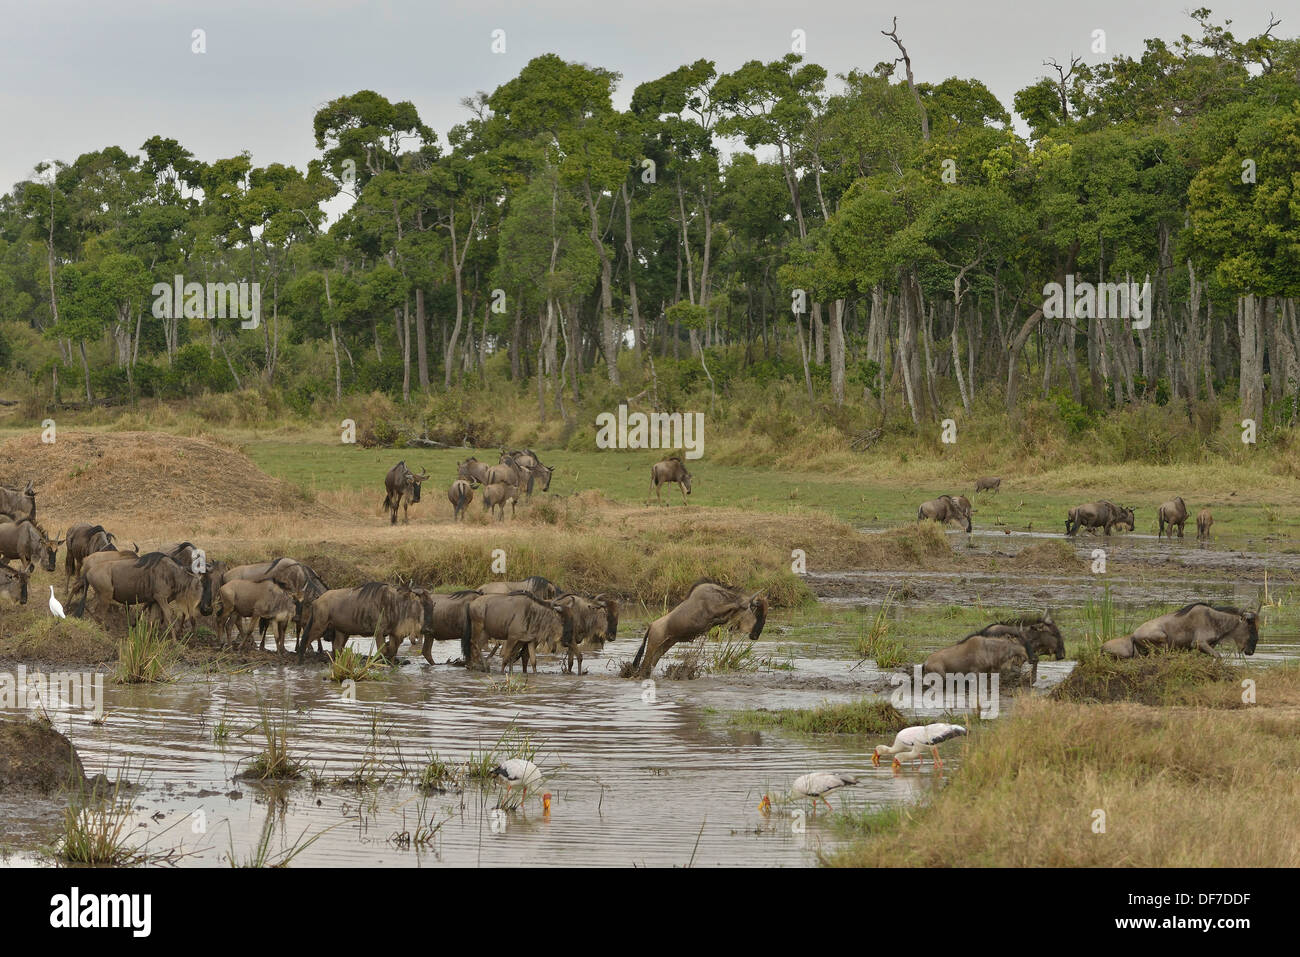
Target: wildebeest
[(495, 497), (593, 620), (1094, 515), (83, 539), (263, 600), (1203, 522), (27, 541), (295, 577), (460, 495), (671, 469), (977, 654), (13, 584), (707, 605), (472, 470), (520, 621), (988, 484), (944, 509), (1038, 634), (402, 489), (18, 503), (93, 560), (535, 585), (508, 472), (1198, 626), (446, 618), (390, 613), (155, 580), (533, 468), (1172, 513)]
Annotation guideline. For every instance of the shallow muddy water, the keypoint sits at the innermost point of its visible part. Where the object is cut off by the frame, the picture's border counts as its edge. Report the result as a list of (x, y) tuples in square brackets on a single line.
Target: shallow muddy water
[(661, 783)]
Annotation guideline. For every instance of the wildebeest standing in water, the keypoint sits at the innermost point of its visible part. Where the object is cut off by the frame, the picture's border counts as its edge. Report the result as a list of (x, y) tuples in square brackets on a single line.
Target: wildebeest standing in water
[(988, 484), (1203, 522), (1172, 513), (1038, 634), (402, 488), (18, 503), (27, 541), (535, 585), (13, 584), (391, 613), (671, 469), (593, 620), (978, 654), (946, 508), (495, 497), (1198, 626), (519, 621), (707, 605), (1103, 514), (83, 539), (446, 618), (460, 495)]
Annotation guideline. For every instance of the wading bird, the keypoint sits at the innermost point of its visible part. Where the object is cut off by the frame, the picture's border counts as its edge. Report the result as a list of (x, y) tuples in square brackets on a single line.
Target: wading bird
[(909, 744), (815, 785), (517, 772), (56, 609)]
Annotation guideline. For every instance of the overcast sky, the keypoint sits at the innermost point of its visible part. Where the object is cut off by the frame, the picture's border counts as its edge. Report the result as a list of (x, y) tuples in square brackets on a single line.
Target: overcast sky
[(79, 76)]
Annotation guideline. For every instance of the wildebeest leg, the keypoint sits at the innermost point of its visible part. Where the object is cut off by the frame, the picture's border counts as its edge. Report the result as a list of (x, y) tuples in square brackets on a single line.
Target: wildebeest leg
[(426, 649), (281, 629)]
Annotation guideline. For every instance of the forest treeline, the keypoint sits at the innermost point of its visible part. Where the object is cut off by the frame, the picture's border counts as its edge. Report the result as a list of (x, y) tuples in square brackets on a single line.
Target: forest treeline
[(872, 238)]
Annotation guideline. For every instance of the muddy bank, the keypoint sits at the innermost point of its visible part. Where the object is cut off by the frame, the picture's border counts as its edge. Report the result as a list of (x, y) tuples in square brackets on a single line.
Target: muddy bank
[(37, 759)]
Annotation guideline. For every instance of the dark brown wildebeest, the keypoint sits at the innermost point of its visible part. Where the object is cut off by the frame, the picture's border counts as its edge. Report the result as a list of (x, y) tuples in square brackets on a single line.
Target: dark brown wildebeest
[(1198, 626), (472, 470), (495, 497), (1203, 522), (83, 539), (1094, 515), (945, 509), (18, 503), (155, 580), (91, 561), (593, 620), (1172, 513), (988, 484), (460, 495), (27, 541), (671, 469), (391, 613), (402, 490), (536, 585), (519, 621), (1038, 634), (977, 654), (508, 472), (707, 605), (527, 460), (446, 618), (13, 584), (295, 577), (245, 600)]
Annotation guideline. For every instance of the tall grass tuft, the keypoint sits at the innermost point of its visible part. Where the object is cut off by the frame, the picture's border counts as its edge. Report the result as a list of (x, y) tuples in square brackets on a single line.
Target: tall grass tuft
[(274, 761), (876, 642), (146, 655)]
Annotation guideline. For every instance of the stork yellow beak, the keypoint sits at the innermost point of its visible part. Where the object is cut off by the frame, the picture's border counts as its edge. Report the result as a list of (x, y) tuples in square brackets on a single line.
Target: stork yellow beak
[(546, 802), (765, 805)]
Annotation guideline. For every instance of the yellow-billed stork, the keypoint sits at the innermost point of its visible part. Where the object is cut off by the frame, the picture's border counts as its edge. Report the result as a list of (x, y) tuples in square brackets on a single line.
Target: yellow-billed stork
[(909, 744), (820, 783), (517, 772)]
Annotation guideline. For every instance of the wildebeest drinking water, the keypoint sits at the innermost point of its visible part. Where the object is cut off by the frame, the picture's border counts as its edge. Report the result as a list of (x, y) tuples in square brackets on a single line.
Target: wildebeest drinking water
[(13, 584), (1203, 522), (519, 621), (944, 509), (707, 605), (27, 542), (1172, 513), (402, 489), (1102, 514), (1198, 626), (390, 613), (671, 469), (460, 495), (18, 503)]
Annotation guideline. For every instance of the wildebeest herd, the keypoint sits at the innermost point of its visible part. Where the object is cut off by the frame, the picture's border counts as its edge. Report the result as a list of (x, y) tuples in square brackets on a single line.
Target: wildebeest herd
[(519, 619), (1102, 514)]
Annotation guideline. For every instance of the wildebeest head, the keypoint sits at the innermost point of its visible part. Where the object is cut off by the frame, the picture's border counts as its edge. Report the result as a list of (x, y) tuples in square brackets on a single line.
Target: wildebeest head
[(49, 548), (686, 480), (752, 617), (1049, 636), (544, 472), (1246, 633), (413, 482)]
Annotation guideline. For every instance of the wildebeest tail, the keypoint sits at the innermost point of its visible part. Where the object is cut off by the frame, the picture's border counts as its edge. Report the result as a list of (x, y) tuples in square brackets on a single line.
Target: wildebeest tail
[(466, 636), (84, 586), (636, 662)]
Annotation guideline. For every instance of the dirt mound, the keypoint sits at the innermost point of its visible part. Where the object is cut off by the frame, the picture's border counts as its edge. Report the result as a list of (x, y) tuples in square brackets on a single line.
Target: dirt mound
[(164, 477), (35, 757)]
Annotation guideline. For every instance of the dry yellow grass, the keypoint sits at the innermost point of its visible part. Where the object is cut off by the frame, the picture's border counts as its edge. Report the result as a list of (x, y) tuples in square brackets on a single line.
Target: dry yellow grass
[(1179, 787)]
